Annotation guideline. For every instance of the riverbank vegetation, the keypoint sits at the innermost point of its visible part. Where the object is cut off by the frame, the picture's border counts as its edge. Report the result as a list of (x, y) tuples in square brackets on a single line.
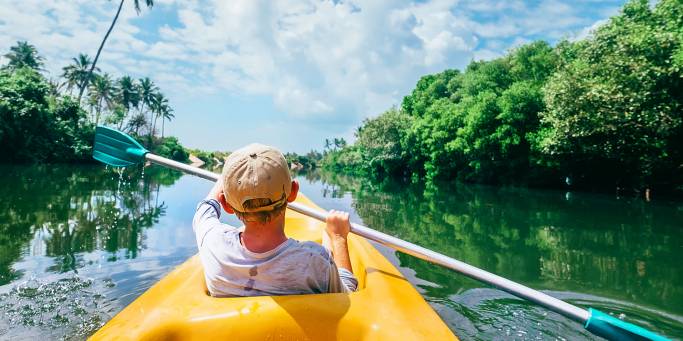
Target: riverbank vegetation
[(605, 111), (210, 160), (308, 161), (41, 120)]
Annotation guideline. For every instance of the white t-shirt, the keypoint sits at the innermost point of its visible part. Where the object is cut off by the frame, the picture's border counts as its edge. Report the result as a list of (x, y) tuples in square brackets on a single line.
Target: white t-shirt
[(291, 268)]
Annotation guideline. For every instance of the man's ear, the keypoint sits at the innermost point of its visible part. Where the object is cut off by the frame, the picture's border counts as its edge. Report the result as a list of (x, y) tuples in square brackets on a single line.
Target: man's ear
[(224, 203), (294, 191)]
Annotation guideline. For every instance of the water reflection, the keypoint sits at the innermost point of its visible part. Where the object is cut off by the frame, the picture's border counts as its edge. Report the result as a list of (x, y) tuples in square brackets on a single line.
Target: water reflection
[(84, 242), (617, 250), (63, 211), (57, 218)]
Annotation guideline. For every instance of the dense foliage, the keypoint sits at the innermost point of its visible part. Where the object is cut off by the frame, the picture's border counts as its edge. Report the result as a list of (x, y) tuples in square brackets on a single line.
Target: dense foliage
[(601, 111), (40, 121), (23, 55), (615, 104), (36, 126), (170, 147)]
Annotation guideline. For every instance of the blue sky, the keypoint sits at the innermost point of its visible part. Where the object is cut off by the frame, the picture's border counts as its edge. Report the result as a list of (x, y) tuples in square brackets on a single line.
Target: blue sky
[(287, 73)]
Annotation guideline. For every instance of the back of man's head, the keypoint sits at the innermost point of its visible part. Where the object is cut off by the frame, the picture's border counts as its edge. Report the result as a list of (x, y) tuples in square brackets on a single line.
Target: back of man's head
[(256, 182)]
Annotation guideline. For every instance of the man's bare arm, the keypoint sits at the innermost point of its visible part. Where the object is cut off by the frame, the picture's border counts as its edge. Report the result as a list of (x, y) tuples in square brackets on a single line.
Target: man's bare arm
[(338, 228)]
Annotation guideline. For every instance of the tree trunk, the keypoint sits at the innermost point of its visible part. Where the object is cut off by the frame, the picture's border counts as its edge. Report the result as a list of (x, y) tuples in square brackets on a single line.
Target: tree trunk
[(154, 124), (151, 119), (99, 110), (142, 109), (149, 132), (123, 119), (163, 120), (99, 50)]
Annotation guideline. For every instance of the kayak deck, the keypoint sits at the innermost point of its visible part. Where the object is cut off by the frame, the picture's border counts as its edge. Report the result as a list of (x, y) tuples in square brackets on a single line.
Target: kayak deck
[(386, 306)]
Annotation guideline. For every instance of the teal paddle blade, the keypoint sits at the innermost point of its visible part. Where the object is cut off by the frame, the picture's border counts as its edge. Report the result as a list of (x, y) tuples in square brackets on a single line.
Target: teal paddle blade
[(612, 328), (117, 149)]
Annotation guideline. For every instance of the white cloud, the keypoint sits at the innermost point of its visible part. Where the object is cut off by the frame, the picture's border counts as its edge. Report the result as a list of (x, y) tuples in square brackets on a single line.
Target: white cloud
[(314, 60), (62, 29), (313, 57)]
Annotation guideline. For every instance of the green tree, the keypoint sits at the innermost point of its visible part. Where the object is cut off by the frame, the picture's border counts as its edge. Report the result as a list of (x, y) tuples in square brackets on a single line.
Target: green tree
[(102, 93), (171, 148), (432, 106), (135, 123), (127, 95), (472, 125), (615, 109), (166, 114), (37, 126), (24, 114), (159, 104), (117, 115), (23, 55), (147, 91), (42, 125), (380, 139), (429, 89), (77, 74), (149, 4)]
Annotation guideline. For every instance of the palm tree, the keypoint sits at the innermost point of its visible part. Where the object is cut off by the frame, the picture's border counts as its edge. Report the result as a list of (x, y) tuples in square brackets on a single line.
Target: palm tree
[(147, 89), (127, 94), (158, 105), (327, 144), (102, 92), (55, 86), (166, 114), (117, 115), (77, 74), (24, 55), (149, 4), (138, 121)]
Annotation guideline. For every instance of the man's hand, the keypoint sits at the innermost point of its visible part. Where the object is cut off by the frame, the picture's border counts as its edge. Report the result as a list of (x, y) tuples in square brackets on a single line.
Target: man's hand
[(338, 225)]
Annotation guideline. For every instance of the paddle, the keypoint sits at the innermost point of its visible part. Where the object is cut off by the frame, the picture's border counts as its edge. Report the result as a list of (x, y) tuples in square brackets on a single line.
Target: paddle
[(117, 149)]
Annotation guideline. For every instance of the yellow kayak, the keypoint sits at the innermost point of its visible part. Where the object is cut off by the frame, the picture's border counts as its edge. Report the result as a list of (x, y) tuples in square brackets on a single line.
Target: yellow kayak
[(385, 307)]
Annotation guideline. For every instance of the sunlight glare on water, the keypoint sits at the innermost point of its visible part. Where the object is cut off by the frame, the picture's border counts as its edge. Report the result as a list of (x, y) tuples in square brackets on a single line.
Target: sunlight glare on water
[(69, 307)]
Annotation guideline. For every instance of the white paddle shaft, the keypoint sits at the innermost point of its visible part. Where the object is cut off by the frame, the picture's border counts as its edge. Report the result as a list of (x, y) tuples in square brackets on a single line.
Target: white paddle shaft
[(519, 290)]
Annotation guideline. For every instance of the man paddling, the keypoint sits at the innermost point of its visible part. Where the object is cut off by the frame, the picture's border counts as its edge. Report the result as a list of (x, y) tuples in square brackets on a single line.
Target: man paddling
[(258, 258)]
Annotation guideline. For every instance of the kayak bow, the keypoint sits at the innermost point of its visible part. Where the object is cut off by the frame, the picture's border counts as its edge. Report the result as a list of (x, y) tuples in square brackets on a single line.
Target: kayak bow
[(386, 306)]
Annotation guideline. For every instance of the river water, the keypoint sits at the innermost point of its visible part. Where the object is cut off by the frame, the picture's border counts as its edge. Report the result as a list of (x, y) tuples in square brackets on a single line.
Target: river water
[(79, 243)]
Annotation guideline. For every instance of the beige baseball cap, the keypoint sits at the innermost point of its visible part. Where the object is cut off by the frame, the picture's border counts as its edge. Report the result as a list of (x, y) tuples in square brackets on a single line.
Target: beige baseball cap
[(256, 171)]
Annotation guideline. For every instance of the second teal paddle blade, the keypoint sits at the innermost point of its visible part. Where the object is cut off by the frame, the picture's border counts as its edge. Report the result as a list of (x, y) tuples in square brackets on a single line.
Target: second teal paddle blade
[(117, 149)]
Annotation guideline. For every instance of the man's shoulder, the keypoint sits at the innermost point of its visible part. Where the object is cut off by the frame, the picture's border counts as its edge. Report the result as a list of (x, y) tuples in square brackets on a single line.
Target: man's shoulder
[(311, 249)]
